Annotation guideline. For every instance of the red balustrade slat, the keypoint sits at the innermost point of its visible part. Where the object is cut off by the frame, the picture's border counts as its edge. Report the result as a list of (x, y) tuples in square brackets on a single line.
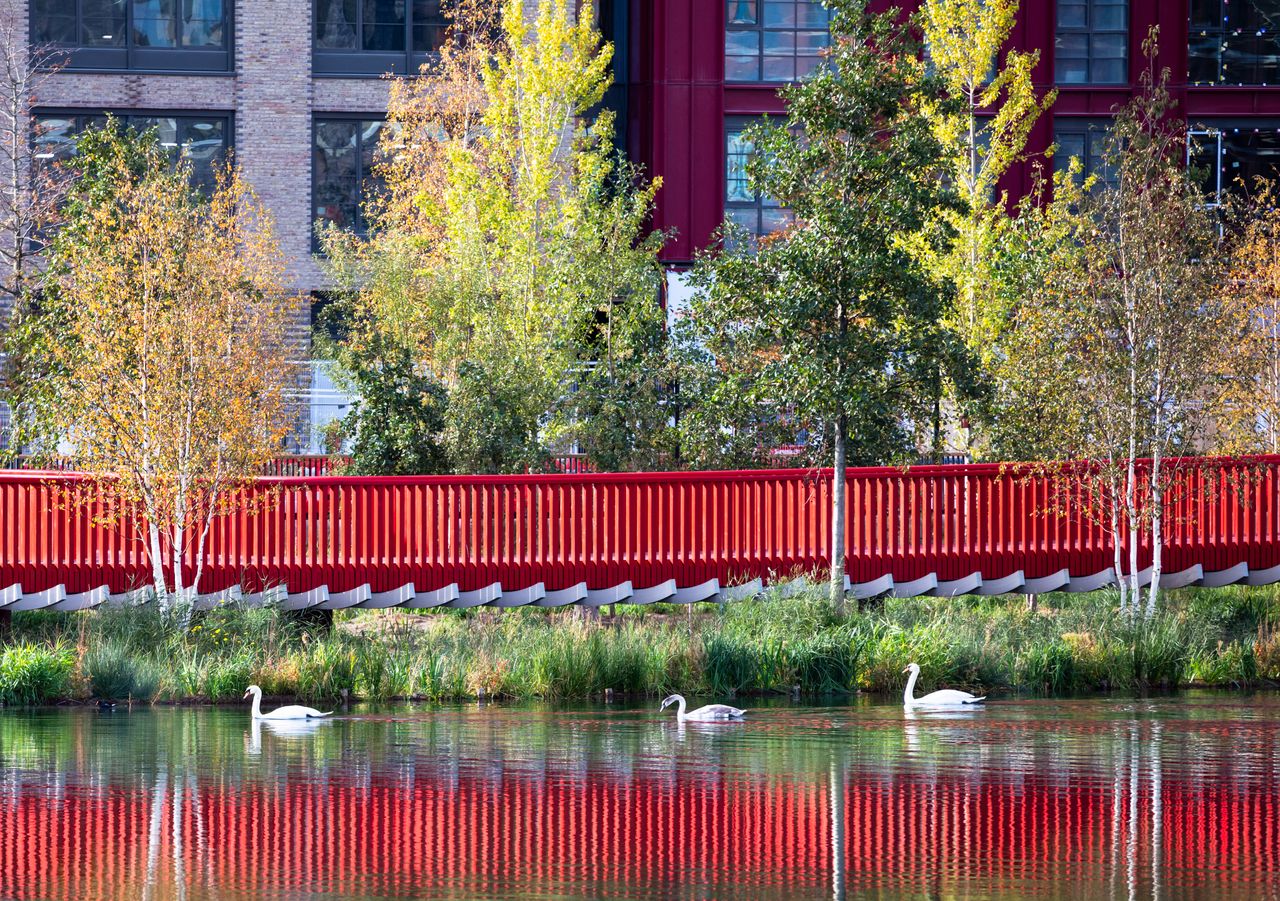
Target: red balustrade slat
[(602, 529)]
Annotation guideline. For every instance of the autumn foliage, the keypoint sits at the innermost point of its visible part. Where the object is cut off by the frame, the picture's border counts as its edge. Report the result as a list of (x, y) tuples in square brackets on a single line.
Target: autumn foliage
[(157, 353)]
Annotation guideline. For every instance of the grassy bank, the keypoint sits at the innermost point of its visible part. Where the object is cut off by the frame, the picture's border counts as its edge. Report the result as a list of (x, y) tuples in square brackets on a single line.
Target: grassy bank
[(1072, 643)]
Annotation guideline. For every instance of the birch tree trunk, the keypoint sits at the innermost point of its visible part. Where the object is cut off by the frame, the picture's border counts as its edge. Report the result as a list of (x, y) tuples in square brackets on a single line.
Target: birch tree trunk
[(1157, 524), (157, 563), (1116, 548), (1135, 526), (175, 552), (839, 489)]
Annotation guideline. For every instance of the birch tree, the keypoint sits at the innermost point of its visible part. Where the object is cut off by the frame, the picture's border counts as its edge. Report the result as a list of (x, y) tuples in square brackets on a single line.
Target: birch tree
[(832, 320), (158, 347), (1132, 321)]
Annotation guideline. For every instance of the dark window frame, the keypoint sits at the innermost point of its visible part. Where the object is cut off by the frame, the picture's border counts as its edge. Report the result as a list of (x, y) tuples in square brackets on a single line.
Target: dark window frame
[(360, 227), (1089, 32), (735, 125), (1094, 132), (1215, 36), (130, 57), (130, 116), (1212, 133), (358, 62), (760, 29)]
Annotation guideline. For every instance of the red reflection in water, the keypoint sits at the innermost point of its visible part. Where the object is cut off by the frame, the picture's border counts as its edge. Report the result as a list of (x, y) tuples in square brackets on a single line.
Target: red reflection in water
[(1110, 833)]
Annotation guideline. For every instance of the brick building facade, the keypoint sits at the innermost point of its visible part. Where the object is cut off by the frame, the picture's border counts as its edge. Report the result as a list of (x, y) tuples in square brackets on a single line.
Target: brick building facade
[(293, 87)]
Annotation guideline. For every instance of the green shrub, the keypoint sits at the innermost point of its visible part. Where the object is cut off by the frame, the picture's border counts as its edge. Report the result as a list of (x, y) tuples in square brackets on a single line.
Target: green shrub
[(279, 676), (384, 673), (327, 671), (35, 674), (1226, 664), (1158, 651), (225, 679)]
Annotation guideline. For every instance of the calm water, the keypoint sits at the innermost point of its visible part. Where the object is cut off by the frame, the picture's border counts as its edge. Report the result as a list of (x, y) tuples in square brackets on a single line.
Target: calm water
[(1166, 798)]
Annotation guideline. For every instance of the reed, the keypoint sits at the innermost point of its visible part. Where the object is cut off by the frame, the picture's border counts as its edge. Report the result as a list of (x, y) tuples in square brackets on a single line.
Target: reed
[(1072, 643)]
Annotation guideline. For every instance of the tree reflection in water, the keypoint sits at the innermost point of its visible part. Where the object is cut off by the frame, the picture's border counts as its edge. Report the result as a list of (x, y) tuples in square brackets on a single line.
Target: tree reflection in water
[(1092, 799)]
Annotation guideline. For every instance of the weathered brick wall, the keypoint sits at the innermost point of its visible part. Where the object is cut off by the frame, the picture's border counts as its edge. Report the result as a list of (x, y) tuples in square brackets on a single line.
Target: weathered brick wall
[(271, 93), (272, 96)]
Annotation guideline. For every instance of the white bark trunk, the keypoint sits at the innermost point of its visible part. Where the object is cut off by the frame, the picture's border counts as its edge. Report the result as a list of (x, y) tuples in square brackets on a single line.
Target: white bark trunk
[(175, 552), (1117, 548), (1135, 527), (839, 486), (157, 564), (1157, 536)]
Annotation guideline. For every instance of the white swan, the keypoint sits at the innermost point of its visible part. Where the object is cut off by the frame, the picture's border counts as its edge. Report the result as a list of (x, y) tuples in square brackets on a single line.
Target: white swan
[(706, 714), (293, 712), (948, 697)]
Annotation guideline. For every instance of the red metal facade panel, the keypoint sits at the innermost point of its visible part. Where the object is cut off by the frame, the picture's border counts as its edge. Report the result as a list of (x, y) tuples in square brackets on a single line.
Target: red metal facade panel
[(680, 66), (344, 532)]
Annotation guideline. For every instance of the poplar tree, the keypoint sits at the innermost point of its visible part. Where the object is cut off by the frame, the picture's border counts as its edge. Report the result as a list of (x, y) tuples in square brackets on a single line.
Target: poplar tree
[(983, 121), (509, 260), (983, 126)]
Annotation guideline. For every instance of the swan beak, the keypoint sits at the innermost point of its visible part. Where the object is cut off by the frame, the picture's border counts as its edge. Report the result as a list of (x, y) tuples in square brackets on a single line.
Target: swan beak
[(246, 694), (907, 670)]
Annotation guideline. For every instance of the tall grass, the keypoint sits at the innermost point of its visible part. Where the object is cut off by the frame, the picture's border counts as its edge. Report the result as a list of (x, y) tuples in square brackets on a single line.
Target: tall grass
[(1072, 643), (116, 674), (35, 674)]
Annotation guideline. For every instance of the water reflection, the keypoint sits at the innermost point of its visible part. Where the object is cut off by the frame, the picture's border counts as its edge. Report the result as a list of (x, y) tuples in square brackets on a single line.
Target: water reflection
[(1092, 799)]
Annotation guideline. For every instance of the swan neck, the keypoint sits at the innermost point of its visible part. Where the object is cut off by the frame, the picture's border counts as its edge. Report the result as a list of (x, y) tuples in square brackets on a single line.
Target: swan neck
[(680, 709), (257, 705), (909, 696)]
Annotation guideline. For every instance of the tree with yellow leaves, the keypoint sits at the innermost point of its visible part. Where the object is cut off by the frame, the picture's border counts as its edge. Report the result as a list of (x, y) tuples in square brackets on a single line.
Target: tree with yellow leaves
[(1252, 375), (984, 125), (983, 119), (509, 260), (157, 350)]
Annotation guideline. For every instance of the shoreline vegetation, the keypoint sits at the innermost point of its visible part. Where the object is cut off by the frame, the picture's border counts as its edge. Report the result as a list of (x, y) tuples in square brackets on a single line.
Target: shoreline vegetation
[(1070, 644)]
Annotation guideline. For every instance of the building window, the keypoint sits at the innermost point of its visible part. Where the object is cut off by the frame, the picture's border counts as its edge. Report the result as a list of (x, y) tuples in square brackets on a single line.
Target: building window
[(1233, 155), (198, 138), (1085, 140), (156, 35), (344, 171), (373, 37), (757, 214), (774, 40), (1234, 42), (1092, 42)]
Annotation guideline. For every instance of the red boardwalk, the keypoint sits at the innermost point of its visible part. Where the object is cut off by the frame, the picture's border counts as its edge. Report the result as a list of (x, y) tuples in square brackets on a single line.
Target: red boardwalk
[(596, 538)]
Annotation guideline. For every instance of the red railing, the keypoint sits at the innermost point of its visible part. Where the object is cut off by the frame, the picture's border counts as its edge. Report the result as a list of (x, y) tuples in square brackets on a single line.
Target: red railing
[(303, 465), (344, 532), (288, 465)]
